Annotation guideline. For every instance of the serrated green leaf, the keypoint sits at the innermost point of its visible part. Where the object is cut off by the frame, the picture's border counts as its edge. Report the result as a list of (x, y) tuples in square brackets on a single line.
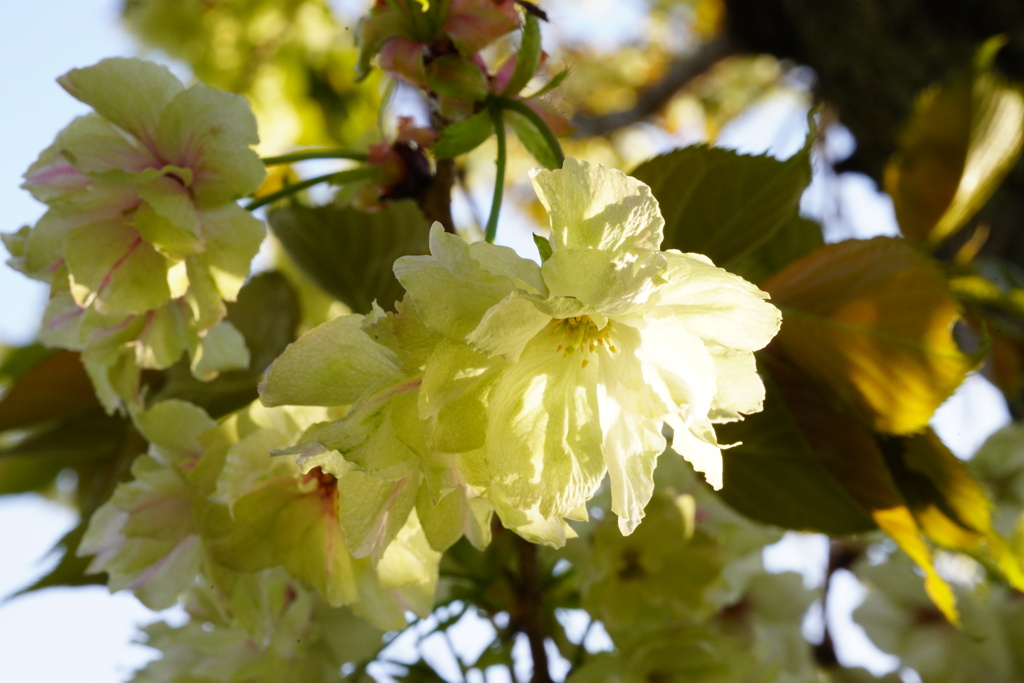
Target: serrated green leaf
[(527, 57), (350, 253), (798, 237), (723, 204), (775, 475), (464, 136)]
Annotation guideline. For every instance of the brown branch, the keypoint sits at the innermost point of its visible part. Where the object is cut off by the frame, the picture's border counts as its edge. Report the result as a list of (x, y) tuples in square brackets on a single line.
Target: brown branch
[(840, 556), (531, 617), (680, 72), (436, 200)]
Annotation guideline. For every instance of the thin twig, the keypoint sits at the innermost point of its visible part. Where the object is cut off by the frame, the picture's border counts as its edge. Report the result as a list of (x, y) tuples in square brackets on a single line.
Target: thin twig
[(679, 74), (351, 175), (314, 154)]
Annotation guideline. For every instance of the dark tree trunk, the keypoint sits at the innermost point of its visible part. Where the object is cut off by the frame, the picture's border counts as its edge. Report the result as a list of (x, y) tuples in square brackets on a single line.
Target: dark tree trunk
[(872, 57)]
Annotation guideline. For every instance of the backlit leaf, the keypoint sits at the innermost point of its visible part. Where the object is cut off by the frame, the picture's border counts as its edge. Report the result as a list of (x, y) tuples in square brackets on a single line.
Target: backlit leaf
[(840, 462), (724, 204), (871, 322), (948, 502), (961, 140), (777, 476), (463, 136), (349, 253)]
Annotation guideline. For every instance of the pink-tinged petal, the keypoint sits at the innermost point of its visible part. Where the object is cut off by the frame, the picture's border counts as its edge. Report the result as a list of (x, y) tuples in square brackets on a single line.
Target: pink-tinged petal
[(499, 81), (403, 58), (472, 25), (112, 268), (130, 93), (62, 322), (231, 237), (52, 175), (210, 132), (95, 147), (168, 219)]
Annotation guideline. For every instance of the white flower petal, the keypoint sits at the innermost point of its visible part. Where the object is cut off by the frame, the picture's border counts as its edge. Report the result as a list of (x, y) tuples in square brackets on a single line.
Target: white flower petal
[(598, 208), (716, 305), (704, 455)]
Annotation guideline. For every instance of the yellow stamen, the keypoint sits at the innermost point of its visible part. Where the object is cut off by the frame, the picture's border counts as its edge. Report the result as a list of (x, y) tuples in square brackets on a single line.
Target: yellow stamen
[(580, 333)]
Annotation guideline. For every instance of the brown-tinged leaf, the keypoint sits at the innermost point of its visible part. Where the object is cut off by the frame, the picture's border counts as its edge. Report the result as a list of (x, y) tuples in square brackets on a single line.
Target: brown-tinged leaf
[(871, 322), (840, 461), (55, 387), (961, 140), (948, 502)]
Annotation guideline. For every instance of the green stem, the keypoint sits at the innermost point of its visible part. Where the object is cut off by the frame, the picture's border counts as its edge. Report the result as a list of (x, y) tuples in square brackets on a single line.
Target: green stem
[(339, 177), (315, 154), (499, 178), (518, 107)]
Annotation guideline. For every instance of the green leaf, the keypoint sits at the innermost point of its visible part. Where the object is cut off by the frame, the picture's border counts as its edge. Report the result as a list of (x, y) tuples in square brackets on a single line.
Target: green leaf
[(350, 253), (267, 315), (776, 476), (533, 140), (527, 58), (543, 247), (724, 204), (464, 136), (961, 140), (91, 435), (851, 457), (18, 360), (798, 237), (871, 322)]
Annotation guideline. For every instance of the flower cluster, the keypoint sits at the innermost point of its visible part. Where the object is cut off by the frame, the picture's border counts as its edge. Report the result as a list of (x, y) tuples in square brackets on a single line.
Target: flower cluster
[(143, 241), (207, 499), (524, 384), (436, 47)]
